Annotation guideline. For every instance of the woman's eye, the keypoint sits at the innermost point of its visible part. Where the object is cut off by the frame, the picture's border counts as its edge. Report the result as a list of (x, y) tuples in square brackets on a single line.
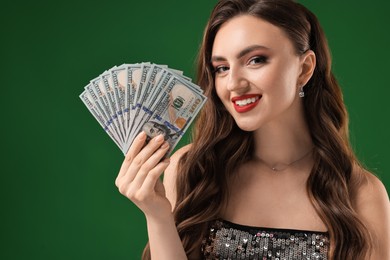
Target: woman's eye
[(258, 60), (221, 69)]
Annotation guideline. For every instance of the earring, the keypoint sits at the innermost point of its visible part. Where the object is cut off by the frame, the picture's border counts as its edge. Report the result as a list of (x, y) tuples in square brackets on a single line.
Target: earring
[(301, 93)]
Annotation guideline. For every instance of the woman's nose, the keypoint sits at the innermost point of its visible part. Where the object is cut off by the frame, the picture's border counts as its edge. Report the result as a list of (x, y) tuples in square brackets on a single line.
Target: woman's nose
[(237, 81)]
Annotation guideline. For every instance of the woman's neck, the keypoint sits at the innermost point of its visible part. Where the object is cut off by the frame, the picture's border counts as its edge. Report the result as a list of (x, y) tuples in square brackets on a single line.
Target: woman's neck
[(282, 143)]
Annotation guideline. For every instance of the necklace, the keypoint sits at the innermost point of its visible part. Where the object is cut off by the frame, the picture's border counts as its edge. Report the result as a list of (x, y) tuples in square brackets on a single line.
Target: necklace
[(278, 167)]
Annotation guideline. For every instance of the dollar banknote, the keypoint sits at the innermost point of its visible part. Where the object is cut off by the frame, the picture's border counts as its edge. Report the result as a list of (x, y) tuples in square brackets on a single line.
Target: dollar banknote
[(131, 98), (118, 81), (98, 115)]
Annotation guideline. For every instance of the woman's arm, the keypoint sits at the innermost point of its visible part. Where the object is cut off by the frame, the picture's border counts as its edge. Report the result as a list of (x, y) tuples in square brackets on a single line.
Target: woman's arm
[(139, 180), (373, 207), (164, 240)]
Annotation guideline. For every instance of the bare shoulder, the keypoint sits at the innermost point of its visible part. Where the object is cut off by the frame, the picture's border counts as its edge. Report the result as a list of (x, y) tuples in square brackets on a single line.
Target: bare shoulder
[(373, 207), (171, 172), (372, 194)]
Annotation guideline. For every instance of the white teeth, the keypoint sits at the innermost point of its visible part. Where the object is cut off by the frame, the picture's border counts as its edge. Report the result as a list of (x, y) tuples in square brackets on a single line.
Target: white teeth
[(247, 101)]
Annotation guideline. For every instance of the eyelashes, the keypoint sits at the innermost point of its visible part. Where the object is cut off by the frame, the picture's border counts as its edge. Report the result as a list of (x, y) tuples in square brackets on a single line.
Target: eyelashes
[(258, 60), (220, 69), (252, 62)]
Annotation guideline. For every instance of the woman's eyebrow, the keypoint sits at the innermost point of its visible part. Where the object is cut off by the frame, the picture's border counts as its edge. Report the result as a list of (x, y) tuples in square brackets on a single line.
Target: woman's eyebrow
[(217, 58), (250, 49), (241, 53)]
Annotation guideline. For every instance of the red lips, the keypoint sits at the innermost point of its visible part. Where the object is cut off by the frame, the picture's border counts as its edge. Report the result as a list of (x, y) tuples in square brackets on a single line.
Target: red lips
[(245, 103)]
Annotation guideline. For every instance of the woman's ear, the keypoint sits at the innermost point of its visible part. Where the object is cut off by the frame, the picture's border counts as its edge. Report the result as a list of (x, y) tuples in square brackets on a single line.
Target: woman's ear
[(308, 64)]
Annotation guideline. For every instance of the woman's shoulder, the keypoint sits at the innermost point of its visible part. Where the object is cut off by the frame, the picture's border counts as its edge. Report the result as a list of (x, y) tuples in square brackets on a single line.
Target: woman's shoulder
[(373, 207), (170, 174), (371, 191)]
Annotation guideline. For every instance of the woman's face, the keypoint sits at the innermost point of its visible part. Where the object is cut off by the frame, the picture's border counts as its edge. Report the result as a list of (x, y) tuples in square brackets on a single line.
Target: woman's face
[(256, 72)]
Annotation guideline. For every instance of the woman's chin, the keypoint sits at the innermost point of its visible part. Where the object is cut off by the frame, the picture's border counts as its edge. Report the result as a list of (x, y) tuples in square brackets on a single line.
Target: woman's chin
[(247, 127)]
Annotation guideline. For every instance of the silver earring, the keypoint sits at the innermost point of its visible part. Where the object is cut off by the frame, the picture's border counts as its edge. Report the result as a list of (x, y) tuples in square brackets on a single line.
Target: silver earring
[(301, 93)]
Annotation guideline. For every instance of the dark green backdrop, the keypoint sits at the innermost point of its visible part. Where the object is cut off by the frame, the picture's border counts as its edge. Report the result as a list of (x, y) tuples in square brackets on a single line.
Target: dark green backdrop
[(58, 198)]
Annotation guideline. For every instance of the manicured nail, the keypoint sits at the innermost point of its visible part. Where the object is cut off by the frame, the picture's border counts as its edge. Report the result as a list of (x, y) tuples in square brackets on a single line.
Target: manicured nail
[(165, 145), (159, 138), (141, 135)]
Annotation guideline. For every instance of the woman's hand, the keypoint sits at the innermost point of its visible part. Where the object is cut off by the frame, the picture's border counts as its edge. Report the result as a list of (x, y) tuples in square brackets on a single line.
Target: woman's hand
[(138, 178)]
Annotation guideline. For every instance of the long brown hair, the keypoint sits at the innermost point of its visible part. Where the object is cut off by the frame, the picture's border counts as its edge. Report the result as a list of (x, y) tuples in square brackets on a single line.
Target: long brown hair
[(219, 146)]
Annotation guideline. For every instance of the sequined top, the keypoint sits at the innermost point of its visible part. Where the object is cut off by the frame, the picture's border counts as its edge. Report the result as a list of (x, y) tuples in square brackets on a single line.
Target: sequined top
[(227, 240)]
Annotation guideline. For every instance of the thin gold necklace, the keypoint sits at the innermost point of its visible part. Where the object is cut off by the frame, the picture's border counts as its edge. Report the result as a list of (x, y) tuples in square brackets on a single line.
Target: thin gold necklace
[(278, 167)]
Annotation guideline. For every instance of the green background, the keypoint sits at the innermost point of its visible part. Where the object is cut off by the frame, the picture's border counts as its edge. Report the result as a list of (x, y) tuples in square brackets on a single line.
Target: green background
[(58, 198)]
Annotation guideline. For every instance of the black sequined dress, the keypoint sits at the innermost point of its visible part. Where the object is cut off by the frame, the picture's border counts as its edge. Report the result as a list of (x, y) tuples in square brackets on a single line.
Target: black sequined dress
[(227, 240)]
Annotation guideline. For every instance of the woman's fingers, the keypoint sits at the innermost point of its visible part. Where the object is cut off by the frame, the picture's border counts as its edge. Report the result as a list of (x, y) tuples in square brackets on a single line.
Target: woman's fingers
[(148, 166), (134, 149), (139, 162), (147, 151), (135, 155), (141, 190), (153, 176)]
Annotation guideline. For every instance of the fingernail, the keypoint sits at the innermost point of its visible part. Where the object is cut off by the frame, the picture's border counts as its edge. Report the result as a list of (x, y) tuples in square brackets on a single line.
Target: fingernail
[(141, 135), (165, 145), (159, 138)]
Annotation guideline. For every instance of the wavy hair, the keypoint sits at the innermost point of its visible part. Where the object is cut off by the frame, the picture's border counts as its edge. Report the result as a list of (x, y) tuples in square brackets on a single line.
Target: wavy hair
[(219, 146)]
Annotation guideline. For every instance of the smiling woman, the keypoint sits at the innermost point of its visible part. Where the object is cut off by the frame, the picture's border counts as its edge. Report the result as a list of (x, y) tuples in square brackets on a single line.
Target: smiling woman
[(270, 173), (260, 74)]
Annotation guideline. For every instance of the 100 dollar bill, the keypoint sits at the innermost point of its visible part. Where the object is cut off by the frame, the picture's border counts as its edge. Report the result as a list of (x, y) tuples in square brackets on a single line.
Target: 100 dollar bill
[(146, 97), (177, 106)]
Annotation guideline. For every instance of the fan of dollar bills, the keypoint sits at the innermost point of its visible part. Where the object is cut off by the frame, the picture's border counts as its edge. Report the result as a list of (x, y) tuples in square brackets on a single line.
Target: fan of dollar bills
[(131, 98)]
